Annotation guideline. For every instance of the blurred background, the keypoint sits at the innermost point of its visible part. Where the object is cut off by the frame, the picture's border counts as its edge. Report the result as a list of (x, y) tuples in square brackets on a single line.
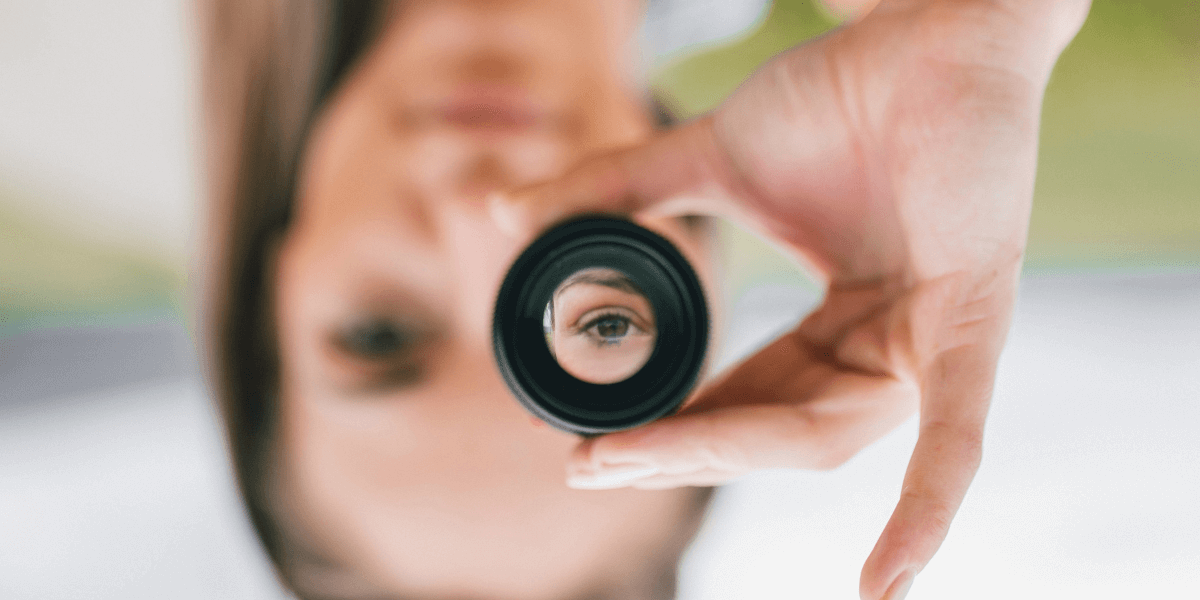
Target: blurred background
[(113, 481)]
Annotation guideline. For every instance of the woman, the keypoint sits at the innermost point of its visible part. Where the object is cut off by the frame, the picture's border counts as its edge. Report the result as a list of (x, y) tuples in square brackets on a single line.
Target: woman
[(378, 456), (377, 448)]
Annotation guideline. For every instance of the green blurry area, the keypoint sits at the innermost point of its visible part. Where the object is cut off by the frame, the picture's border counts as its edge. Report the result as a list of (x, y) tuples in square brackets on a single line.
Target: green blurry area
[(1118, 183), (50, 277)]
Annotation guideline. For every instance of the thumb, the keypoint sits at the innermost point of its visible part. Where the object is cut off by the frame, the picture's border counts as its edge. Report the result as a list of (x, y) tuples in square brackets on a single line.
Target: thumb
[(678, 172)]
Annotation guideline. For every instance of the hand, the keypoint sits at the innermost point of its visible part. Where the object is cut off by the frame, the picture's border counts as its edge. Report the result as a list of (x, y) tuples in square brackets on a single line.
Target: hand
[(896, 157)]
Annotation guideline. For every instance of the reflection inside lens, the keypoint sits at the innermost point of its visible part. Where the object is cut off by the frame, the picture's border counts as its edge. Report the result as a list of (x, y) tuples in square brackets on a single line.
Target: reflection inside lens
[(599, 326)]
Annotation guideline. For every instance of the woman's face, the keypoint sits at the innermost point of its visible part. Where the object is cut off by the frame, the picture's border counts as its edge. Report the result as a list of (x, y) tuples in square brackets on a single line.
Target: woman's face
[(402, 456)]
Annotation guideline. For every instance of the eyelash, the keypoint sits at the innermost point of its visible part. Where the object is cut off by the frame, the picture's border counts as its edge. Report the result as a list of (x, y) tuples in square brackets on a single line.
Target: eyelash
[(394, 361), (358, 340), (600, 341)]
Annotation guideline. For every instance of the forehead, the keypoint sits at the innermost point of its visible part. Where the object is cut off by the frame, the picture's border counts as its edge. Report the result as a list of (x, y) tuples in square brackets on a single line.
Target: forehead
[(599, 276)]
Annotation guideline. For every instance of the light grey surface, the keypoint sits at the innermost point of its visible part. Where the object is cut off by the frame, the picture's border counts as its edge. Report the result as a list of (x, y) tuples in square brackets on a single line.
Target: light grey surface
[(99, 107), (1089, 485), (98, 111), (122, 494), (673, 26), (50, 364)]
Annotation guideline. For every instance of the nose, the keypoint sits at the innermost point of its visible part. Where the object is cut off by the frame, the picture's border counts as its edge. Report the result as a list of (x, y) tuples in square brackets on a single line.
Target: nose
[(479, 256), (485, 174)]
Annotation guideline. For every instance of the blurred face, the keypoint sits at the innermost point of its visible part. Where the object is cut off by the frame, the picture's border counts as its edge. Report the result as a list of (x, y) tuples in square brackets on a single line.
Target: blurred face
[(403, 459)]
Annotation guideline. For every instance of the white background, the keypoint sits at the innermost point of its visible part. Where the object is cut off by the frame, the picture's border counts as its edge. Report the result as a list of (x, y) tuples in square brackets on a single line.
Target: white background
[(1089, 486), (97, 107)]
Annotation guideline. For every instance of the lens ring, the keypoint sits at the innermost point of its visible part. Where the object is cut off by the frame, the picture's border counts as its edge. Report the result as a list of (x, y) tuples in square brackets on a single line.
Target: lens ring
[(668, 282)]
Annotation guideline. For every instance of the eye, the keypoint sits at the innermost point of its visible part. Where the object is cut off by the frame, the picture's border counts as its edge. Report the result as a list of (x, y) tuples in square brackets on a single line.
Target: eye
[(610, 328), (378, 355), (376, 339)]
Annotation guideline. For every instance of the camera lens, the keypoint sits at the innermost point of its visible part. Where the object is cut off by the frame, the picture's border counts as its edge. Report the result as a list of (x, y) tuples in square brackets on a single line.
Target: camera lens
[(600, 325)]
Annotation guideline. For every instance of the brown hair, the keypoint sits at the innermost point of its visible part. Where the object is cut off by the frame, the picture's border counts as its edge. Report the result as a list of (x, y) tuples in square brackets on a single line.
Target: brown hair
[(268, 66)]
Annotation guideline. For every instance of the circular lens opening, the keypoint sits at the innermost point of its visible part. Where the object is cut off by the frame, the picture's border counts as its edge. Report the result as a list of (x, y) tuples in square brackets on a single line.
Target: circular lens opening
[(600, 326)]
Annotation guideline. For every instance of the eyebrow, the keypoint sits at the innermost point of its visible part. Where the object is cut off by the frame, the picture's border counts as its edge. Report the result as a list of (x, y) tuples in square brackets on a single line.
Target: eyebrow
[(617, 281)]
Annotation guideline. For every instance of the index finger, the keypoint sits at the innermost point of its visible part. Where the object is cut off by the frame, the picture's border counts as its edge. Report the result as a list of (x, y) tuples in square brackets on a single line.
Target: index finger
[(944, 461), (679, 172)]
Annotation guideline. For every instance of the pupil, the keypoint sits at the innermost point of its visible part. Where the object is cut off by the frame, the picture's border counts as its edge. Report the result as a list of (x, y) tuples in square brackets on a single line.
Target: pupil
[(377, 339), (612, 328)]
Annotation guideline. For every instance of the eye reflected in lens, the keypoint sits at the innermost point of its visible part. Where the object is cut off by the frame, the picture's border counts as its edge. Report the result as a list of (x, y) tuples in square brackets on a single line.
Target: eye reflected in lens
[(600, 326)]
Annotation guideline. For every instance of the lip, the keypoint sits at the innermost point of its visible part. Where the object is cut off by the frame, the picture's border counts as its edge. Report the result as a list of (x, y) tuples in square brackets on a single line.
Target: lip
[(492, 109)]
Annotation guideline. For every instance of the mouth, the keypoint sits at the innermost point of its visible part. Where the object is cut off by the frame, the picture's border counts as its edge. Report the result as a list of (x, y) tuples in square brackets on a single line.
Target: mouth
[(492, 109)]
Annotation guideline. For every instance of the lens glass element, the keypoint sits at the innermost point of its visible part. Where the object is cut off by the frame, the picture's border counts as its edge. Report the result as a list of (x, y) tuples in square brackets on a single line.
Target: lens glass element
[(600, 326)]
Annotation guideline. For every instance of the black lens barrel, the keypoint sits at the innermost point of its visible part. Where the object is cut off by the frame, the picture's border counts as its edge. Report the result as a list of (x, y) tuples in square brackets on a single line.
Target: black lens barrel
[(669, 284)]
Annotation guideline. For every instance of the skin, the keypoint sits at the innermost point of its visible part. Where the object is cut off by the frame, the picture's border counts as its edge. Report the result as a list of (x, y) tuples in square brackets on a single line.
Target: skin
[(896, 158), (402, 458)]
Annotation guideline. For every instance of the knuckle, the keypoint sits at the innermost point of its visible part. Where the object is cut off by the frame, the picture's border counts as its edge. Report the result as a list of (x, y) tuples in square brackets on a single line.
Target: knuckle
[(935, 514), (964, 440), (821, 445), (722, 451), (938, 516), (724, 455)]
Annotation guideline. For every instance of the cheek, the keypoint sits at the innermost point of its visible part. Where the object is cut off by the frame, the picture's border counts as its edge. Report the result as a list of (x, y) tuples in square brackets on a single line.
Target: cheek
[(480, 254), (459, 427), (297, 303), (603, 364)]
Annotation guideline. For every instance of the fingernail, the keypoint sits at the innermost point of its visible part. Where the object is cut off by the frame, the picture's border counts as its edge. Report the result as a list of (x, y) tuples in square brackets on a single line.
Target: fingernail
[(610, 478), (497, 204), (899, 588)]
